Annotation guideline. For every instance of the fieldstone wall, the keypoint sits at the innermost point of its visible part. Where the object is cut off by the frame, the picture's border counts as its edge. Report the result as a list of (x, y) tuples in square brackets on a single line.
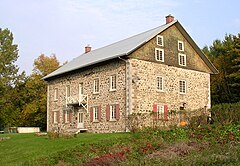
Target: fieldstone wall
[(105, 97), (145, 92), (170, 40)]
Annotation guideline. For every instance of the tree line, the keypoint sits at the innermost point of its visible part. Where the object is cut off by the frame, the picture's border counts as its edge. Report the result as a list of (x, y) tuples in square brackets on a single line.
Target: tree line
[(23, 99), (225, 55)]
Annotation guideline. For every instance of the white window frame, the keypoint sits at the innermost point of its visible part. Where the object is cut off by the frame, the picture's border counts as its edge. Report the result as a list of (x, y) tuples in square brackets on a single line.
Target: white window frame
[(180, 42), (161, 38), (113, 112), (80, 88), (68, 91), (55, 117), (113, 82), (182, 87), (157, 56), (67, 116), (55, 94), (160, 111), (96, 85), (160, 83), (184, 59), (95, 114)]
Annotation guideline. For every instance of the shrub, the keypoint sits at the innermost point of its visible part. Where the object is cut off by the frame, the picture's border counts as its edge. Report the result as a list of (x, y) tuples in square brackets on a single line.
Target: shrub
[(226, 113)]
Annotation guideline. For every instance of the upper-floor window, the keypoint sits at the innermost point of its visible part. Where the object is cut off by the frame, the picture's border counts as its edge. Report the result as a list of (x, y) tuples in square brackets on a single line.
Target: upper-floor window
[(113, 82), (159, 54), (182, 59), (80, 88), (159, 40), (96, 85), (160, 83), (56, 94), (68, 91), (113, 112), (182, 87), (180, 46)]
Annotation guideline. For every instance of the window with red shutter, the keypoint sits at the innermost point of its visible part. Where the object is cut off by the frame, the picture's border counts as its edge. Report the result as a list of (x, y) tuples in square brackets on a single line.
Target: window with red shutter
[(70, 116), (154, 111), (117, 112), (91, 114), (108, 112), (165, 112)]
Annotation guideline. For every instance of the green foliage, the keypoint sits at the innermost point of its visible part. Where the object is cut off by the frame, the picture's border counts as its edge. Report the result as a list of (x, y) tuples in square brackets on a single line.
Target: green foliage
[(9, 79), (225, 55), (226, 113)]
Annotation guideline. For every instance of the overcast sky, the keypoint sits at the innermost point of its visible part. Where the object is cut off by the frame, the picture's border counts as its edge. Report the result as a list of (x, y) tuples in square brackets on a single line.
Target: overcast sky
[(65, 27)]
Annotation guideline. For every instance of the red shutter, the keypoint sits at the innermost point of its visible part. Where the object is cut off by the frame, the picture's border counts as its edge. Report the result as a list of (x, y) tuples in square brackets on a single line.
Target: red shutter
[(70, 116), (64, 112), (58, 113), (91, 114), (52, 117), (165, 112), (117, 112), (99, 113), (108, 112), (154, 111)]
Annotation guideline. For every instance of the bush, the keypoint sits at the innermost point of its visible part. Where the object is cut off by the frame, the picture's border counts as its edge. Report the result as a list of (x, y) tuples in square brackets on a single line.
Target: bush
[(226, 113)]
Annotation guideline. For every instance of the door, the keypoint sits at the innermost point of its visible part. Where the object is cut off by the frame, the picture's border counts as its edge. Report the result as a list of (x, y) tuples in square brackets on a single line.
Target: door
[(80, 124)]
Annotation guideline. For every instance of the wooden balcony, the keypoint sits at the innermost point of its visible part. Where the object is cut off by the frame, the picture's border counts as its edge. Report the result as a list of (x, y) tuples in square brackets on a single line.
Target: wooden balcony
[(80, 100)]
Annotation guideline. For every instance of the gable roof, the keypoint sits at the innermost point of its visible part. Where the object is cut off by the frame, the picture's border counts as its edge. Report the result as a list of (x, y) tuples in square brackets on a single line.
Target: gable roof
[(122, 48)]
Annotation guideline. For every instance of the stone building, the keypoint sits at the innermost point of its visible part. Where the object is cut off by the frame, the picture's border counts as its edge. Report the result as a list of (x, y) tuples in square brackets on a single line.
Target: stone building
[(159, 70)]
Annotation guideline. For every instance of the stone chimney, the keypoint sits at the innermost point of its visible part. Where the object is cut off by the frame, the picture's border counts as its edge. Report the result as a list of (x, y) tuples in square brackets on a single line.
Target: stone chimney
[(169, 18), (88, 48)]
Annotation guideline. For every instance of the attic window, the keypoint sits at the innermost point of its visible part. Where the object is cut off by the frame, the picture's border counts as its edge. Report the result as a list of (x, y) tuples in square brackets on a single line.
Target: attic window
[(159, 54), (180, 46), (159, 40), (182, 59)]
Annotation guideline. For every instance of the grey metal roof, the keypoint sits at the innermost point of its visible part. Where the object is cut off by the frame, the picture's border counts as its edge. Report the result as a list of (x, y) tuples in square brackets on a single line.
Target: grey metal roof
[(123, 47)]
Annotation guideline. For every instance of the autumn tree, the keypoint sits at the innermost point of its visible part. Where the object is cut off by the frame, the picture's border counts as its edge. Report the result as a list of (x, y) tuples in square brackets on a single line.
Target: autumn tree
[(35, 109)]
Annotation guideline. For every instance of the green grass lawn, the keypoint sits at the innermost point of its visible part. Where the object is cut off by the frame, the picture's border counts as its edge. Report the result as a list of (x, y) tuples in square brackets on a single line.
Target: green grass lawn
[(205, 145), (27, 147)]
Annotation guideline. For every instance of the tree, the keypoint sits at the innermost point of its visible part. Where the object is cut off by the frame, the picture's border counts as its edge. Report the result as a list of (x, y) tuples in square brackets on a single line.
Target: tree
[(34, 111), (9, 77), (224, 55), (44, 65)]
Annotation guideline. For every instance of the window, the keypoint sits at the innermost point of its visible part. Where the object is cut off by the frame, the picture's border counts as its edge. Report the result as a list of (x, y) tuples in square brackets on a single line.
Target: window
[(56, 94), (96, 86), (160, 111), (55, 117), (182, 59), (159, 40), (182, 87), (80, 89), (180, 46), (66, 116), (113, 111), (113, 82), (160, 83), (95, 113), (159, 54), (68, 91)]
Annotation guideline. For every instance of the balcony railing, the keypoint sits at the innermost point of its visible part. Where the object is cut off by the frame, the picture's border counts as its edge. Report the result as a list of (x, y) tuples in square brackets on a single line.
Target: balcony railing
[(81, 100)]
